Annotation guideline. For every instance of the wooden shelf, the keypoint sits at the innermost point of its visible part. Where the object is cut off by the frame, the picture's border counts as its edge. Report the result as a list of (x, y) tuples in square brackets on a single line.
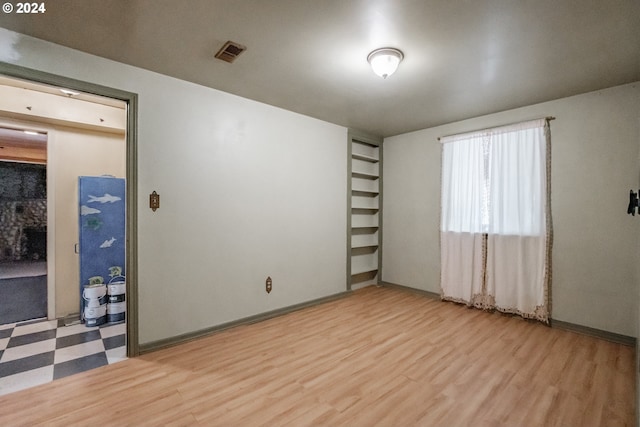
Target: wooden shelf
[(364, 246), (364, 230), (371, 270), (363, 250), (364, 277), (364, 175), (366, 219), (372, 246), (365, 185), (363, 260), (365, 157), (370, 202), (364, 193), (355, 210), (365, 205)]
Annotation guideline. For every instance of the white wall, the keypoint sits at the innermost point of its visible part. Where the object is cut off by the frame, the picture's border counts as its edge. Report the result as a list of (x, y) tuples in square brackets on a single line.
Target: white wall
[(595, 142), (247, 191), (74, 152)]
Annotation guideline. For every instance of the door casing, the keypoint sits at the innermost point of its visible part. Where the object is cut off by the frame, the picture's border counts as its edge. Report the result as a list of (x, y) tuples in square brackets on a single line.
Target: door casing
[(15, 71)]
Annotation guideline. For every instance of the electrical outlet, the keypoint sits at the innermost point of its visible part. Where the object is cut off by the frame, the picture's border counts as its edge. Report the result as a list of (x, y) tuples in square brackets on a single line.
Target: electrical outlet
[(269, 284)]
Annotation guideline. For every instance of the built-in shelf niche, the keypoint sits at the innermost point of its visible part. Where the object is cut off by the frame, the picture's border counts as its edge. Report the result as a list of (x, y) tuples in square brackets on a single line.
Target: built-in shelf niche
[(365, 211)]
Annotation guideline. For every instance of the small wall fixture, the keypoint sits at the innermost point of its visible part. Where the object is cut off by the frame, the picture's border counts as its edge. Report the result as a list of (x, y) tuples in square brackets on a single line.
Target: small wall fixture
[(385, 61), (154, 201)]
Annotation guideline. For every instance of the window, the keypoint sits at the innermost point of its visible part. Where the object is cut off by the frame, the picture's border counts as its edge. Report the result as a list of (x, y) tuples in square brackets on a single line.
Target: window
[(495, 221), (494, 181)]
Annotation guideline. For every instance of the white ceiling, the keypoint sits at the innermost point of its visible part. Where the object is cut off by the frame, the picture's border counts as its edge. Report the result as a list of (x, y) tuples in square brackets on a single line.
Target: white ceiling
[(463, 58)]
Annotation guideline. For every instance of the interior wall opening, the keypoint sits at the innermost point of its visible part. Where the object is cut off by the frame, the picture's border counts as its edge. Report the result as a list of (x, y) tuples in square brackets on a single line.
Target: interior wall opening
[(78, 146), (23, 225)]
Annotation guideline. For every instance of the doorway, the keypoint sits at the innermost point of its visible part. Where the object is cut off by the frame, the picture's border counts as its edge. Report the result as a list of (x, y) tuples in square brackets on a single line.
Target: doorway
[(23, 225), (130, 99)]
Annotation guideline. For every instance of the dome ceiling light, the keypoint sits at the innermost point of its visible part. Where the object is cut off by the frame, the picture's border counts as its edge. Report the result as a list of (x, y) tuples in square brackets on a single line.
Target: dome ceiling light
[(385, 61)]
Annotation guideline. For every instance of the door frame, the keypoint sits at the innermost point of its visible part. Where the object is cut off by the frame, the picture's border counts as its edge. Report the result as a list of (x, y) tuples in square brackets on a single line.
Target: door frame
[(15, 71)]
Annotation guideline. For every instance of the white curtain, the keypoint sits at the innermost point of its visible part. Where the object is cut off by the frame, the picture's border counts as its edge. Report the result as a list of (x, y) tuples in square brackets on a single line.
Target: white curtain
[(495, 223)]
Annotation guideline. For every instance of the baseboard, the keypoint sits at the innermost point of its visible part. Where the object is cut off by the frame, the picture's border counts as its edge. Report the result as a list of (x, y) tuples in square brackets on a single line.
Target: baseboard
[(180, 339), (427, 294), (558, 324), (598, 333)]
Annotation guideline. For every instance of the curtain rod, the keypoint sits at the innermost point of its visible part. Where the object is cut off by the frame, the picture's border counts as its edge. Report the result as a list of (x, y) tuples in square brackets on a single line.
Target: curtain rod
[(548, 118)]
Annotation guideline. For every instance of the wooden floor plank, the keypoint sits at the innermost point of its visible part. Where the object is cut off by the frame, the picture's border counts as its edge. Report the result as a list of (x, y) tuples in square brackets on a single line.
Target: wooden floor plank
[(378, 357)]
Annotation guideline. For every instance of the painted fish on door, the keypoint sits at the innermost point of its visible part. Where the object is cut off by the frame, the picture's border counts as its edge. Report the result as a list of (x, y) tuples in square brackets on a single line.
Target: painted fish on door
[(102, 231)]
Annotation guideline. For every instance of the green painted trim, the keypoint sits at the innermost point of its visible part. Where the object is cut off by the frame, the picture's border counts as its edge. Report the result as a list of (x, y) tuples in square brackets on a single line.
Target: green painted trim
[(362, 136), (558, 324), (15, 71), (38, 76), (181, 339), (428, 294), (132, 228), (354, 135), (380, 206), (597, 333), (349, 204)]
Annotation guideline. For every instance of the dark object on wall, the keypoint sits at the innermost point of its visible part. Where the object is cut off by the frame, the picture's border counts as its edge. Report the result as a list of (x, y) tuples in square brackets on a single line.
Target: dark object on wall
[(633, 203), (36, 243), (154, 201)]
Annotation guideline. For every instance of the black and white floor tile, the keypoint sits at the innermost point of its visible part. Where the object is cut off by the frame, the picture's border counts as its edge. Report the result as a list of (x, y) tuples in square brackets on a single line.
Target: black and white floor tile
[(39, 351)]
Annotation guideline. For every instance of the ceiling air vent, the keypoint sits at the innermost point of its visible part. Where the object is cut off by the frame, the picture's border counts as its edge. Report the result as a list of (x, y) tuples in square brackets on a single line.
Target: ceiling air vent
[(230, 51)]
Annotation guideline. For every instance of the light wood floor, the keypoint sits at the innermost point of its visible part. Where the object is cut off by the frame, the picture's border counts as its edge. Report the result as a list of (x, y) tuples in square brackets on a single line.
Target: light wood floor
[(379, 357)]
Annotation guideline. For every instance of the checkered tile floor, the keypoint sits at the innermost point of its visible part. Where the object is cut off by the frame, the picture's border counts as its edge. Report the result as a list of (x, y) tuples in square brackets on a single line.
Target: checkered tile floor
[(39, 351)]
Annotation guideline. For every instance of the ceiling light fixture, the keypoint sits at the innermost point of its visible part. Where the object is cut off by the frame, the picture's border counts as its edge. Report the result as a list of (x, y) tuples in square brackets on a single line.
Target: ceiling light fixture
[(385, 61)]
